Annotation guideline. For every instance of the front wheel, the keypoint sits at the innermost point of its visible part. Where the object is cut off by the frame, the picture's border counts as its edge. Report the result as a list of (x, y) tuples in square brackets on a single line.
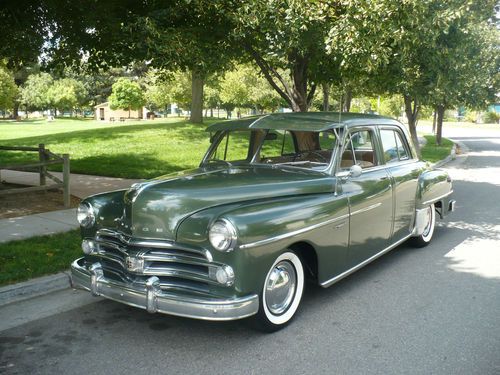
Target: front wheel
[(425, 238), (281, 294)]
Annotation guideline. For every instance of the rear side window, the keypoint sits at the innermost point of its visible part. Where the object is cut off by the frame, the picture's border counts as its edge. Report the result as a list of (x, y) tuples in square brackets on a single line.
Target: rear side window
[(394, 147), (359, 150), (402, 150)]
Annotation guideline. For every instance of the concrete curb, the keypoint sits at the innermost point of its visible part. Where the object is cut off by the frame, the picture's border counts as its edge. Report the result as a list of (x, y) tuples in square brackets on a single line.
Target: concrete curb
[(450, 157), (34, 288)]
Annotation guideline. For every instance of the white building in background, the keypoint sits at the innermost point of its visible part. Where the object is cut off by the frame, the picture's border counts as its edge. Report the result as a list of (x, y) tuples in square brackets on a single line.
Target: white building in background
[(103, 112)]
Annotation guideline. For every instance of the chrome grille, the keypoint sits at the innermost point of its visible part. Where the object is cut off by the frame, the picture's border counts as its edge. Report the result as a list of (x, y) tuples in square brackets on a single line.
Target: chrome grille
[(165, 259)]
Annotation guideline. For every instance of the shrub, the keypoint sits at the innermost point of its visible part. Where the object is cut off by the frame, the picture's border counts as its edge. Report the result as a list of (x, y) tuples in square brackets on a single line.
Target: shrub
[(491, 117)]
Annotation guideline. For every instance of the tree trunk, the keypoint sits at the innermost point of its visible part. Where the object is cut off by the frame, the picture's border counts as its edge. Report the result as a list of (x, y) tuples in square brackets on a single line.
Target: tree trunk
[(439, 125), (211, 113), (411, 110), (128, 112), (15, 111), (326, 97), (197, 97), (298, 96), (346, 101), (434, 121)]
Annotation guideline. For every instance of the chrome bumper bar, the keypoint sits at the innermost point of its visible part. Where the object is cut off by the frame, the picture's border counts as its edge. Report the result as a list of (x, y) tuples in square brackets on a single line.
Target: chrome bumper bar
[(150, 297)]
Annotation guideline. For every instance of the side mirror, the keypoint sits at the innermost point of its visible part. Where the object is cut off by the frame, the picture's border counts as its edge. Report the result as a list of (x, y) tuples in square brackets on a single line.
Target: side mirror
[(354, 171)]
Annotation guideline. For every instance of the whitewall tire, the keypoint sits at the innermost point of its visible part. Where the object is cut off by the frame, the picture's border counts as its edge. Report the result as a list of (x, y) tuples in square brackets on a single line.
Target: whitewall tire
[(425, 238), (281, 293)]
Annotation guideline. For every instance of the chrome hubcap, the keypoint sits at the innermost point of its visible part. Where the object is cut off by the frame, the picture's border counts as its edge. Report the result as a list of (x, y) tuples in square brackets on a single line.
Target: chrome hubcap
[(280, 287)]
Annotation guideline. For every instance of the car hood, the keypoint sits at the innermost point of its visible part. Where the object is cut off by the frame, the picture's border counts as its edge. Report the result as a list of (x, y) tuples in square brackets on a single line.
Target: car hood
[(155, 208)]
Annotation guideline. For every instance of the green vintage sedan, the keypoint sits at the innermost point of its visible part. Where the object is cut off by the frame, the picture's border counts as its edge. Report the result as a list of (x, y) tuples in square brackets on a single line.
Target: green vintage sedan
[(277, 200)]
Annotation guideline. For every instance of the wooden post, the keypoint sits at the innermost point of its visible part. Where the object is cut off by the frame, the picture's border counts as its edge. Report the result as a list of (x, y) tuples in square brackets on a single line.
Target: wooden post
[(43, 168), (66, 176)]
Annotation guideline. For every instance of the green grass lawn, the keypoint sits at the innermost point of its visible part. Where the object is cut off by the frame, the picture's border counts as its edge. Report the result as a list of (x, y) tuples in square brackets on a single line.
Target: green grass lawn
[(432, 152), (38, 256), (143, 149)]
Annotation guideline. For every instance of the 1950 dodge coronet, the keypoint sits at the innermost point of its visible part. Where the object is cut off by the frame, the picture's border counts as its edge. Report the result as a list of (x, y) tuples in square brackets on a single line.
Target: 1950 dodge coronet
[(277, 200)]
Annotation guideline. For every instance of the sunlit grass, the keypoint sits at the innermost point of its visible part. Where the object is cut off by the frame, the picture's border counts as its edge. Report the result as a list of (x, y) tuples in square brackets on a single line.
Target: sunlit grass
[(38, 256), (142, 149), (432, 152)]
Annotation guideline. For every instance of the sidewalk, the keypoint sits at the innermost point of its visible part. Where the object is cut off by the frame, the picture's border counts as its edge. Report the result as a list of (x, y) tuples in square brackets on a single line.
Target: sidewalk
[(81, 186)]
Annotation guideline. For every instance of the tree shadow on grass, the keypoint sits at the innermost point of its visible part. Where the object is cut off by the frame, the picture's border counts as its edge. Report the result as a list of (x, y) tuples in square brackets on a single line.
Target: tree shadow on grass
[(124, 165), (183, 131)]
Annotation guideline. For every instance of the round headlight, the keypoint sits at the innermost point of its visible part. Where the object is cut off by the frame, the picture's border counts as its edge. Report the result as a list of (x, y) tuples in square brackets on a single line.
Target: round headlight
[(85, 215), (222, 235)]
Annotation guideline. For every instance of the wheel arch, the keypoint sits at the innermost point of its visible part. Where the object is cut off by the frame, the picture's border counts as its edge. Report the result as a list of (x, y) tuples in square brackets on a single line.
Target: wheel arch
[(309, 257)]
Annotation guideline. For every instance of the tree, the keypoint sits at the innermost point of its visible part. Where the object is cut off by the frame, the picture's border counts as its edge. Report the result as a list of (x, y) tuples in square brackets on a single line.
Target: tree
[(242, 87), (34, 94), (126, 94), (286, 37), (212, 93), (190, 36), (8, 90), (67, 94), (421, 36), (465, 70), (157, 95), (235, 89)]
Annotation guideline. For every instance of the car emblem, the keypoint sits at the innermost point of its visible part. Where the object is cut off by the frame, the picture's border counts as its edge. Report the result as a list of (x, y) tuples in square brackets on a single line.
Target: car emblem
[(134, 264)]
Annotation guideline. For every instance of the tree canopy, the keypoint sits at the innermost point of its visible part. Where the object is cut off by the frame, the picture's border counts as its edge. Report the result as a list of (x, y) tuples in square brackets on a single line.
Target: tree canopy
[(8, 89), (126, 94)]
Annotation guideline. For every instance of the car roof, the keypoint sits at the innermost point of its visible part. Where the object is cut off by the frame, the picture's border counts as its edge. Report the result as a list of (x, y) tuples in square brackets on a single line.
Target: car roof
[(303, 121)]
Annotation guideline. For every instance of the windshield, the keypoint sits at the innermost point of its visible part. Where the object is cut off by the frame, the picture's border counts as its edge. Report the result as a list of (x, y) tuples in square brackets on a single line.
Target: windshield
[(303, 149)]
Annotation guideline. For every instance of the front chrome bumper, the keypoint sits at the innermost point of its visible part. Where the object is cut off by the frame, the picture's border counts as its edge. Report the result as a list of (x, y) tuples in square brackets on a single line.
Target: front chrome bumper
[(151, 297)]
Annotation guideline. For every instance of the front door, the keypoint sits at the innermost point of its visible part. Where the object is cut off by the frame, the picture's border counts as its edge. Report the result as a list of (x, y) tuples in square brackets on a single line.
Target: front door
[(370, 198)]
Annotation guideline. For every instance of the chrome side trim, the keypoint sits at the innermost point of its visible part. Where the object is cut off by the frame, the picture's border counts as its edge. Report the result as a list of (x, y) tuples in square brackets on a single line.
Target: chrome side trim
[(326, 284), (152, 298), (369, 208), (293, 233), (433, 200)]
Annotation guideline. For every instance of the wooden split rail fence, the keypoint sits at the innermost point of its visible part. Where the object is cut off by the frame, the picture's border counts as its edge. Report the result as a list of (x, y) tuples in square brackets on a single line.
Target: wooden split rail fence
[(45, 158)]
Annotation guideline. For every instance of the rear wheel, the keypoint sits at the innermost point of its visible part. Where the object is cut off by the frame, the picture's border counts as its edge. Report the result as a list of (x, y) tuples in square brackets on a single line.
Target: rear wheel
[(425, 238), (281, 294)]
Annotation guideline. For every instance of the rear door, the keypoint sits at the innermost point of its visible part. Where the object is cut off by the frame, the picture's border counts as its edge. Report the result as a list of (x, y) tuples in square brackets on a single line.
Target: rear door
[(404, 170), (370, 196)]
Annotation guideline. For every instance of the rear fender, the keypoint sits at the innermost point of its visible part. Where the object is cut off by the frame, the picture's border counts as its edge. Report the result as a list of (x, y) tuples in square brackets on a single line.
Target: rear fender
[(435, 187)]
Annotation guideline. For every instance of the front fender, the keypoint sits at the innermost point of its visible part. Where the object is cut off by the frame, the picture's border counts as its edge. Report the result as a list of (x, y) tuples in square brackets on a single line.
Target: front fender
[(265, 229), (108, 206)]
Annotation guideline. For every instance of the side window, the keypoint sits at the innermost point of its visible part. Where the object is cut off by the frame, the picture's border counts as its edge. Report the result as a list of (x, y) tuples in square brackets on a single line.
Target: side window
[(394, 147), (359, 150), (390, 146), (276, 144), (403, 152), (234, 146)]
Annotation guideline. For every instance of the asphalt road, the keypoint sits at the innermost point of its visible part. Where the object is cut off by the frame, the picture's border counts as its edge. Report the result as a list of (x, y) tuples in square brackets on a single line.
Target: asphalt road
[(434, 310)]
